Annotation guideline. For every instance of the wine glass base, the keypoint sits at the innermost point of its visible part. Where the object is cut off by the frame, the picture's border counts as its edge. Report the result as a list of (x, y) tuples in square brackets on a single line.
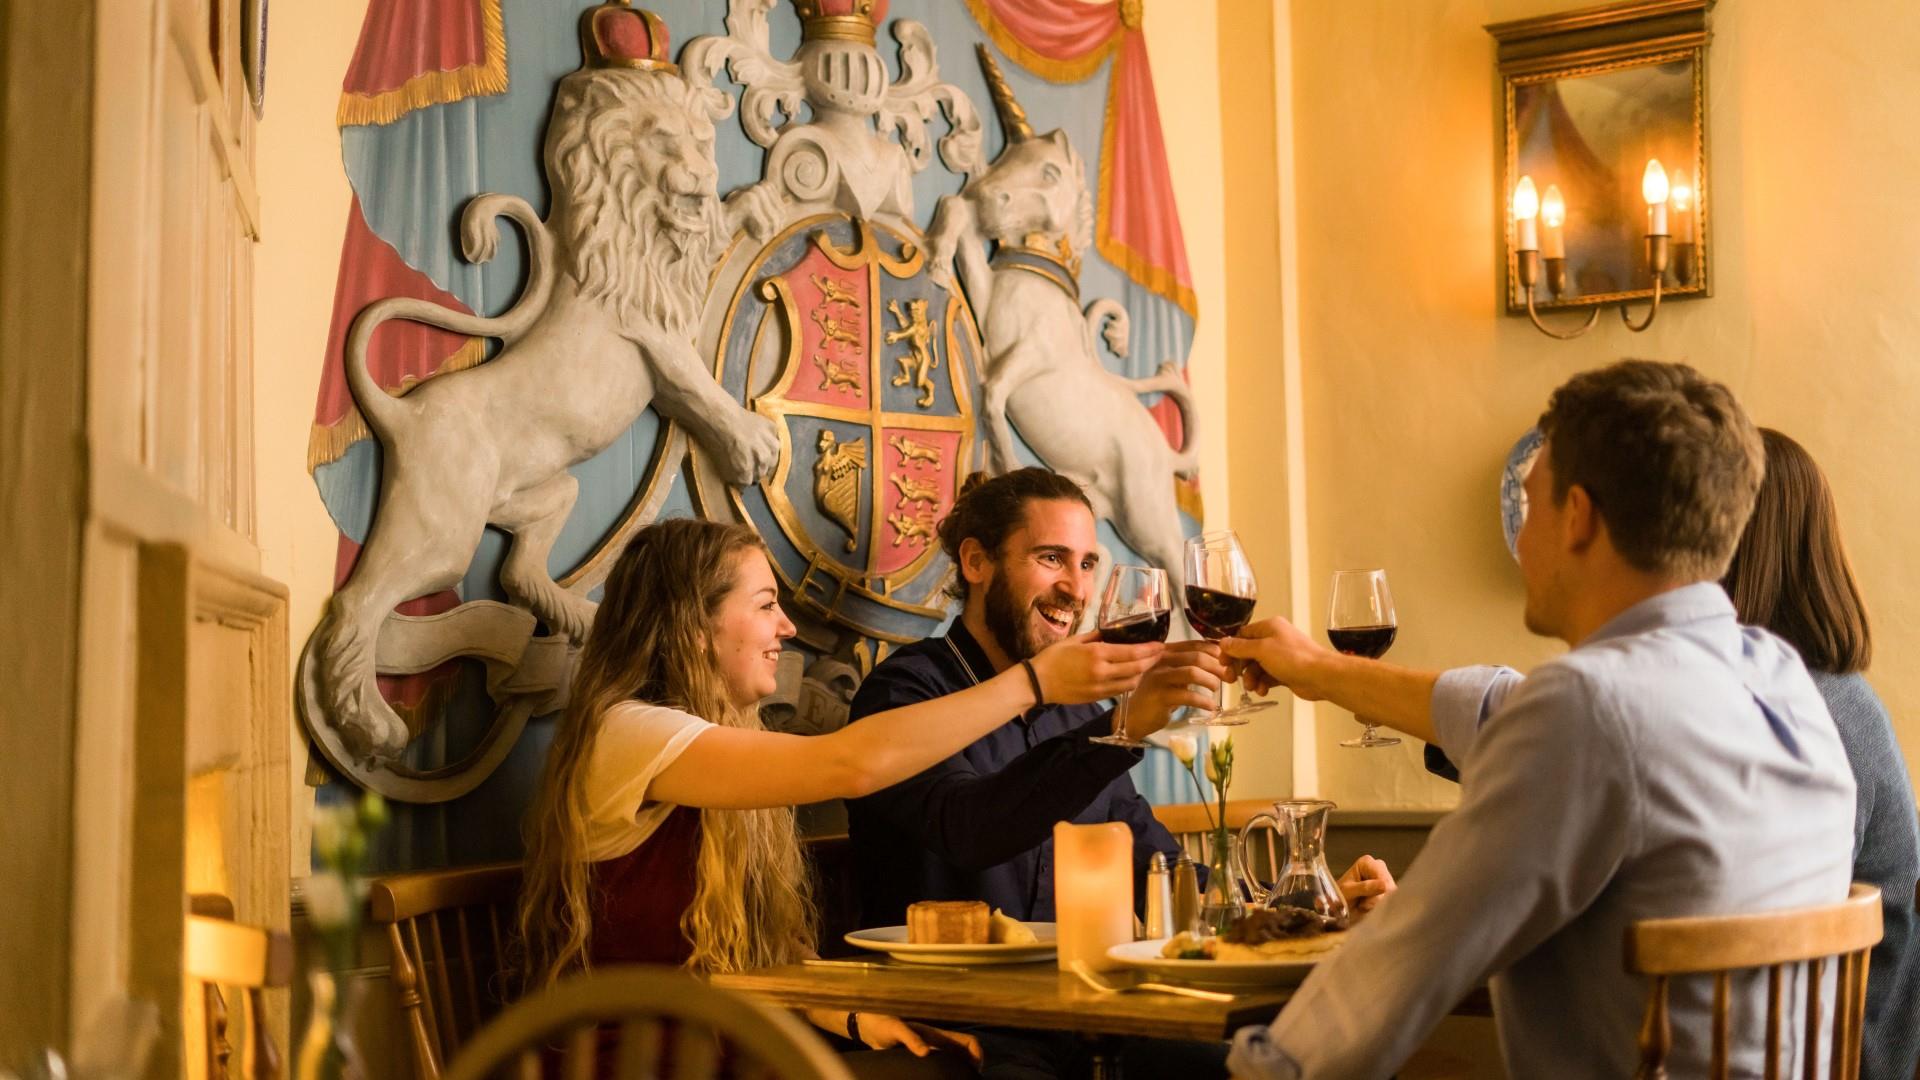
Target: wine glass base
[(1120, 740), (1247, 707), (1370, 740), (1205, 720)]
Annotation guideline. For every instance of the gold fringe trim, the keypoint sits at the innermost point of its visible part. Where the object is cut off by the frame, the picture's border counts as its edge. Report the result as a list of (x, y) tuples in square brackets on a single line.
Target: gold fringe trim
[(436, 87), (1076, 70), (328, 442), (1134, 264)]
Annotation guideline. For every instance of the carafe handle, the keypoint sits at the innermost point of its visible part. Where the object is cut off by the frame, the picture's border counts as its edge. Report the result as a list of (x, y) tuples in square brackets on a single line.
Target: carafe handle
[(1256, 895)]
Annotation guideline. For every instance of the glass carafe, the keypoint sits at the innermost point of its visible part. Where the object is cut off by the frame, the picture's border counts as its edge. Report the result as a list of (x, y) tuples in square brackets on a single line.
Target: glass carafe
[(1304, 880)]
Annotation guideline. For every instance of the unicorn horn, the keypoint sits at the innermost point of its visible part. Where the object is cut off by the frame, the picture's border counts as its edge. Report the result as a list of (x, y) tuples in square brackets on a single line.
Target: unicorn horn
[(1013, 118)]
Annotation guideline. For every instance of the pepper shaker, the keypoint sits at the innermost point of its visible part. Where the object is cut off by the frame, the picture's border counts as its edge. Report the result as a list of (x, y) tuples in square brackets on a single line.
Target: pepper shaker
[(1185, 905)]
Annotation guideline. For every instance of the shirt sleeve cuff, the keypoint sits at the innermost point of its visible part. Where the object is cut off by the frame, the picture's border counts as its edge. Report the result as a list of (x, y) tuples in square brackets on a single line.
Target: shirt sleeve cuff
[(1255, 1057), (1462, 699)]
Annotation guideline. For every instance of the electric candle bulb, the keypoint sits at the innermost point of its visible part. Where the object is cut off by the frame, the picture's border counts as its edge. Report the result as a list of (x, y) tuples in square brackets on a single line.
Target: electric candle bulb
[(1682, 199), (1653, 186), (1526, 208), (1553, 214)]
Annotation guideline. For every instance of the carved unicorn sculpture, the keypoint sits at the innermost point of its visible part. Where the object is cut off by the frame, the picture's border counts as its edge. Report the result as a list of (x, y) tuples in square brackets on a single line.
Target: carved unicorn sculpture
[(1044, 375)]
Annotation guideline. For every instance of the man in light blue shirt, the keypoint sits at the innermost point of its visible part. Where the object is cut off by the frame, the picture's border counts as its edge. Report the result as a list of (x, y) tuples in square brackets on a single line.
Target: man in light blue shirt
[(1673, 763)]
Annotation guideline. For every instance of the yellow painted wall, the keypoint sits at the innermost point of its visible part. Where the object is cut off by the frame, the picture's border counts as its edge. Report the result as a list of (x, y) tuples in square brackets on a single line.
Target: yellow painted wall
[(303, 209), (1415, 384)]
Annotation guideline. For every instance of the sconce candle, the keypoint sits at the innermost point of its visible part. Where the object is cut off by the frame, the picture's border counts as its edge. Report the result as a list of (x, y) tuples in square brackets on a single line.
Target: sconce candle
[(1653, 187), (1526, 207), (1553, 215), (1092, 891), (1682, 200)]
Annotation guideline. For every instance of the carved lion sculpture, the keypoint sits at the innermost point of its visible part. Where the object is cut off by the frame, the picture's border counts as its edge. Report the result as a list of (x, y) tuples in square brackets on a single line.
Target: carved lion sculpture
[(1044, 374), (635, 226)]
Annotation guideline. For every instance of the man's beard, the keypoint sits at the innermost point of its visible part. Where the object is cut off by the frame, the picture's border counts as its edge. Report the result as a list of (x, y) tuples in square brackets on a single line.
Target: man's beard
[(1010, 621)]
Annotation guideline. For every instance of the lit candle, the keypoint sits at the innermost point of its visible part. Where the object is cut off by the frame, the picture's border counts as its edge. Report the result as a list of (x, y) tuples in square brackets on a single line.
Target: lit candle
[(1092, 891), (1553, 214), (1682, 207), (1526, 206), (1653, 187)]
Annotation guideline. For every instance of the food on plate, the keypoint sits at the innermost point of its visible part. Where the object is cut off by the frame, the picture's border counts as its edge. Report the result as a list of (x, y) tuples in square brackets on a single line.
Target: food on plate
[(947, 922), (1004, 929), (1283, 933)]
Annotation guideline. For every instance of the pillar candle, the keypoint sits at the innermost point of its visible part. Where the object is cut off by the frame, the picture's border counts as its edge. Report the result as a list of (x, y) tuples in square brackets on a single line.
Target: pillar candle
[(1092, 891)]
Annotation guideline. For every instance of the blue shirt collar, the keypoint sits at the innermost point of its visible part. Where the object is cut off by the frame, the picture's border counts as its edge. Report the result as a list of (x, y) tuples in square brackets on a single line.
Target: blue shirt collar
[(1689, 603)]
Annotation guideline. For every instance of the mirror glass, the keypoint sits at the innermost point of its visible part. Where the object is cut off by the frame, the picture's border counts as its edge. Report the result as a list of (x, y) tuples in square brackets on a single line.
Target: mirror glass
[(1591, 136)]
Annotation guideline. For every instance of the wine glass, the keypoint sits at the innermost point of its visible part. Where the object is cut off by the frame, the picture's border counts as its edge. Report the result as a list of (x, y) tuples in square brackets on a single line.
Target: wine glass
[(1220, 596), (1134, 611), (1360, 622)]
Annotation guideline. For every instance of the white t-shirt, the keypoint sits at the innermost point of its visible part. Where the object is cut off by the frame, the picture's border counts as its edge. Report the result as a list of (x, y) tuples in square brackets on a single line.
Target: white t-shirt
[(635, 743)]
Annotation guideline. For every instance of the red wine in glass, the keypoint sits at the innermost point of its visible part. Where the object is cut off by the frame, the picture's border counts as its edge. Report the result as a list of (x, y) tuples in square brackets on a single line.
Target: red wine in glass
[(1217, 614), (1135, 610), (1371, 642), (1138, 629), (1361, 622)]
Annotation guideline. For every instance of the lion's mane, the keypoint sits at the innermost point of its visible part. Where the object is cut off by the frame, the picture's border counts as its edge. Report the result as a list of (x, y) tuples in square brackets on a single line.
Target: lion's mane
[(646, 271)]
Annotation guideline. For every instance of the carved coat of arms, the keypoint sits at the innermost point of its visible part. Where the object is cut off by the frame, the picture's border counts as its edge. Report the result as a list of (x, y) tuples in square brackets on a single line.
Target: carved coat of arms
[(812, 362), (867, 367)]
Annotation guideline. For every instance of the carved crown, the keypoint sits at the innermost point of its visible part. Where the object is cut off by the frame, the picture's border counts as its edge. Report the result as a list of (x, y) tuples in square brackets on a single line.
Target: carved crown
[(618, 35), (844, 20)]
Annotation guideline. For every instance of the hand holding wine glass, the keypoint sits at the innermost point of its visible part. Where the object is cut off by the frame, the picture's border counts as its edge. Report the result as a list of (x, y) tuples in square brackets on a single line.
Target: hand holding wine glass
[(1135, 610), (1361, 622)]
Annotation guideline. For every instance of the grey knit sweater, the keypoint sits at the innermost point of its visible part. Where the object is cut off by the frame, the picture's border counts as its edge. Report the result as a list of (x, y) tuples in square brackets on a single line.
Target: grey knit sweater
[(1886, 853)]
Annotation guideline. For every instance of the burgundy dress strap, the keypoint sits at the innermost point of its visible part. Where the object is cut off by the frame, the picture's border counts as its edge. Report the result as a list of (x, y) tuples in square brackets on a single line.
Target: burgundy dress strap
[(638, 897)]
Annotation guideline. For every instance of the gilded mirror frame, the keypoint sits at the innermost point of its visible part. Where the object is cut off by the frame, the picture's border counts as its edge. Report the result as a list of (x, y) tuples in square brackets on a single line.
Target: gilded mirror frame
[(1595, 41)]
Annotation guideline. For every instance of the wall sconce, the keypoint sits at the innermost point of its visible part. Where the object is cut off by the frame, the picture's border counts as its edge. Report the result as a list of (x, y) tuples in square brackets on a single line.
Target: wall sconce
[(1551, 212), (1603, 199)]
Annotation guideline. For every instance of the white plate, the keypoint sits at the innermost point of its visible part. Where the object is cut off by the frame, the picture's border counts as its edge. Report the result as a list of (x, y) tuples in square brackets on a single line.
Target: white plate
[(892, 940), (1145, 956)]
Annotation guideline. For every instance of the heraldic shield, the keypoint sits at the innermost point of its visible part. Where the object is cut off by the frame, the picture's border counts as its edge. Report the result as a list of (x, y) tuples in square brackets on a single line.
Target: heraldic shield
[(838, 334)]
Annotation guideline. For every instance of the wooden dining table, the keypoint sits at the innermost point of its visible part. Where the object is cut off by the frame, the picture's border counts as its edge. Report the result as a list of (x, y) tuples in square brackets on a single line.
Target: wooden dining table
[(1033, 996)]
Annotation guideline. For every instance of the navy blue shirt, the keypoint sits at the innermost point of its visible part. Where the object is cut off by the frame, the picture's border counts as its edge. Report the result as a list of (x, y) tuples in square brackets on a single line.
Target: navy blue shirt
[(979, 825)]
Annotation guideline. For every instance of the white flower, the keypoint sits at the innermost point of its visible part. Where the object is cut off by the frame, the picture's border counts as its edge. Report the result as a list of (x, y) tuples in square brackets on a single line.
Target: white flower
[(327, 904), (1184, 746), (1220, 763)]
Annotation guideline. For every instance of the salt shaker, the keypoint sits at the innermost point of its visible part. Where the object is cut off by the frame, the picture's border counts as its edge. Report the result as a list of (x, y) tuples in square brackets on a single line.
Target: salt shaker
[(1159, 897), (1185, 904)]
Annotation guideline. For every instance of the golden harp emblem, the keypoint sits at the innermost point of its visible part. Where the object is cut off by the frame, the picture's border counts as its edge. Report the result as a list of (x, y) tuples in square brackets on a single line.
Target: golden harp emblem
[(836, 482)]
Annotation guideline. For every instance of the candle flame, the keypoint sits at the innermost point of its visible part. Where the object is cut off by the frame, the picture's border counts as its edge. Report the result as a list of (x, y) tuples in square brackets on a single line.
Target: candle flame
[(1653, 186), (1553, 208), (1682, 191), (1526, 201)]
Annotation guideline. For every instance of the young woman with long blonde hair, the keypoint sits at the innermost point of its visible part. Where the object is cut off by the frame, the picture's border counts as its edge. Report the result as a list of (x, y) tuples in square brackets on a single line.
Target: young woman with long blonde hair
[(664, 832)]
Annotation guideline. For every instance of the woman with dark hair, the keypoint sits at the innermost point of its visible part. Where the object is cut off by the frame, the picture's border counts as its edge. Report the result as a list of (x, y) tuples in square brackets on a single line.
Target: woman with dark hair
[(663, 831), (1790, 574)]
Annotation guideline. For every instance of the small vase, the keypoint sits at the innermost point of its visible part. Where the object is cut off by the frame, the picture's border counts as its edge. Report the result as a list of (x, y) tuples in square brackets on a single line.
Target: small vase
[(329, 1052), (1221, 904)]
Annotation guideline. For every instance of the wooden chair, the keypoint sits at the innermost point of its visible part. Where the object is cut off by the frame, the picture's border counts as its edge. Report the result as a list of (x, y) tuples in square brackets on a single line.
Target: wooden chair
[(652, 1009), (1721, 945), (220, 952), (447, 933), (1189, 824)]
